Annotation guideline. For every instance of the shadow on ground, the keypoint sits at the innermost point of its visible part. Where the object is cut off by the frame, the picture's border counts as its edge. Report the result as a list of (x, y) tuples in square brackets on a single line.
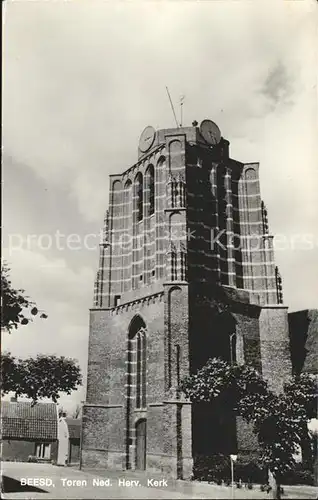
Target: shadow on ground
[(10, 485)]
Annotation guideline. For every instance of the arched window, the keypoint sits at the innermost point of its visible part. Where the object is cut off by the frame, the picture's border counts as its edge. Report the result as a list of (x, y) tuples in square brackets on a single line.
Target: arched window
[(150, 186), (136, 378), (127, 203), (141, 369), (127, 194), (139, 197)]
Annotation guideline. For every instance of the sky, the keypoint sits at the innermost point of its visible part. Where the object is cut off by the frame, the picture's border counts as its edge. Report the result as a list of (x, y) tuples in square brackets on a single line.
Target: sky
[(82, 79)]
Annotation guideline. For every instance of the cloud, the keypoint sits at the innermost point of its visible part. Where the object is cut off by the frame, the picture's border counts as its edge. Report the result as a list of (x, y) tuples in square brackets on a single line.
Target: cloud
[(75, 104), (278, 86), (81, 82)]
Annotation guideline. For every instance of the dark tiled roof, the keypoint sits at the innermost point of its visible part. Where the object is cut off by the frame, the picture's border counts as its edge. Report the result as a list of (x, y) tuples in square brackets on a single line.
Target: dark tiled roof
[(74, 427), (24, 421)]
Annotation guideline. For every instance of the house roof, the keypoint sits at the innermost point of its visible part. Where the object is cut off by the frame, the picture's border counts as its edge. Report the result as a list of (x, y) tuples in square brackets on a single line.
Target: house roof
[(74, 427), (24, 421)]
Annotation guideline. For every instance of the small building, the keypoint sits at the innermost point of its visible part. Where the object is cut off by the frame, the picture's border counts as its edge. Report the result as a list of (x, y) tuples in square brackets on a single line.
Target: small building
[(74, 430), (69, 433), (29, 431)]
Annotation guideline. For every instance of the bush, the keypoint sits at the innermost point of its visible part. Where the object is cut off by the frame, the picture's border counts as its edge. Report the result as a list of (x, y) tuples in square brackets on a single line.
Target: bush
[(32, 458), (299, 475), (249, 471), (212, 468), (217, 468)]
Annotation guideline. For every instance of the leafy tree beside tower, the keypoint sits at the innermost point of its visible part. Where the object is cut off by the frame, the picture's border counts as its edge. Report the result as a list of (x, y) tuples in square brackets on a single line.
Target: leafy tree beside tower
[(279, 420), (35, 378)]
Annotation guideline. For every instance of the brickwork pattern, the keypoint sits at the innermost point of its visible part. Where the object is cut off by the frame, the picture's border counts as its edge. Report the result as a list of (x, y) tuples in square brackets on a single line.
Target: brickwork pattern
[(192, 297)]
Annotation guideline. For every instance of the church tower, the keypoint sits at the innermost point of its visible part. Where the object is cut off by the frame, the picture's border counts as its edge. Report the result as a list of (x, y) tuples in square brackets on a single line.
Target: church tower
[(186, 273)]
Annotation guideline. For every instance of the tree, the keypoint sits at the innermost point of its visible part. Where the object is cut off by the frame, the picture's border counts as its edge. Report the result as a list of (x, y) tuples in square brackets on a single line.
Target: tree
[(302, 390), (35, 378), (280, 421), (40, 377), (16, 308)]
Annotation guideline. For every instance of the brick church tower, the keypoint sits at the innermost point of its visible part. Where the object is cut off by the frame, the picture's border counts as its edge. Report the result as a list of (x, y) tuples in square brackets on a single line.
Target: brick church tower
[(186, 272)]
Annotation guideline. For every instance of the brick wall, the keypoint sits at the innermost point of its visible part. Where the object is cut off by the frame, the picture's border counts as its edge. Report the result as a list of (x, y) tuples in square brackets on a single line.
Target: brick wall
[(275, 346), (105, 414), (104, 426), (19, 449), (172, 283), (215, 314)]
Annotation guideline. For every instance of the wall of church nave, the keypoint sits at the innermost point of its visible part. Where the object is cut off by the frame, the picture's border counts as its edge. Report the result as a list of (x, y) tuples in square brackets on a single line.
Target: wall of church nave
[(248, 328), (219, 329), (213, 430), (275, 346), (247, 442)]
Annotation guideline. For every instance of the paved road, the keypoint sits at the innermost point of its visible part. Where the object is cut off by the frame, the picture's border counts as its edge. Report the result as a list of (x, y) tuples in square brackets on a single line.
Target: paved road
[(69, 483)]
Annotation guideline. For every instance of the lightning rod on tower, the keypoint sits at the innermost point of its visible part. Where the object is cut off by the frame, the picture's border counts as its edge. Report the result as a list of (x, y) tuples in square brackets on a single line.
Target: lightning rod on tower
[(173, 111)]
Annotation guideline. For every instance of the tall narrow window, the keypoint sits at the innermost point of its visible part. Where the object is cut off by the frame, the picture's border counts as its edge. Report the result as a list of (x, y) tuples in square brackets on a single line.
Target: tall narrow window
[(151, 190), (221, 193), (127, 203), (174, 267), (178, 364), (139, 362), (141, 370), (137, 369), (139, 197)]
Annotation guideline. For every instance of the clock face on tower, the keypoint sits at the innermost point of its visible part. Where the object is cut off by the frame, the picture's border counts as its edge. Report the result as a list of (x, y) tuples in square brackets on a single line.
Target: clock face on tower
[(147, 139), (210, 132)]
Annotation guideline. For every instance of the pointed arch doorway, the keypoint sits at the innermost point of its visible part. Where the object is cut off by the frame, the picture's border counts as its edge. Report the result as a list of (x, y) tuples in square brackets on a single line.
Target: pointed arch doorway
[(141, 444)]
